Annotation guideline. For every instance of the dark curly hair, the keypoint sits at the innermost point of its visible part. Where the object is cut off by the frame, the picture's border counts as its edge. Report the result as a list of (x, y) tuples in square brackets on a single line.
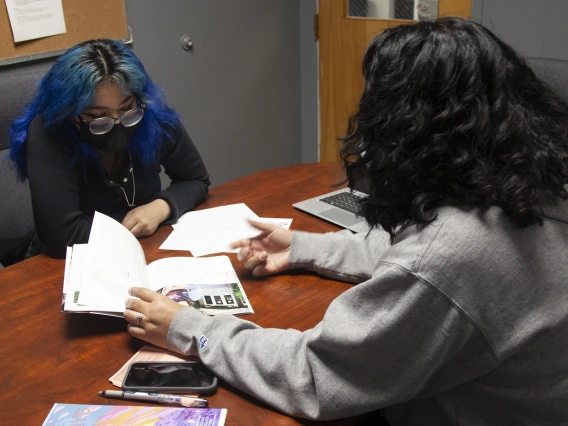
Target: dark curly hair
[(451, 115)]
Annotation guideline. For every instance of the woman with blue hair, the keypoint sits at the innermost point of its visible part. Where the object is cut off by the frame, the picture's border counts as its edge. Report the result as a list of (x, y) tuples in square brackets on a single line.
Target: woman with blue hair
[(94, 138)]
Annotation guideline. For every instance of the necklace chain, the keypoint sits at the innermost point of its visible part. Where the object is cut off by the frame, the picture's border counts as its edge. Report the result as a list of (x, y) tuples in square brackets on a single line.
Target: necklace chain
[(131, 166), (130, 204)]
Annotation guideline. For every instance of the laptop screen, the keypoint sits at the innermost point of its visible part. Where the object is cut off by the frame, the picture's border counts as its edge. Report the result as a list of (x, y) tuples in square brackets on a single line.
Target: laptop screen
[(361, 183)]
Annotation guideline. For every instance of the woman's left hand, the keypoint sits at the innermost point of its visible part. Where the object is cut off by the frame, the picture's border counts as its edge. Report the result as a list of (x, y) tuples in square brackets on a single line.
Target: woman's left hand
[(150, 316), (144, 220)]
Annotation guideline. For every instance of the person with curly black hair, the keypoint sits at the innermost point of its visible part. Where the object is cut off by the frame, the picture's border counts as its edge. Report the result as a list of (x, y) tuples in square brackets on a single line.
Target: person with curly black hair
[(451, 115), (459, 315)]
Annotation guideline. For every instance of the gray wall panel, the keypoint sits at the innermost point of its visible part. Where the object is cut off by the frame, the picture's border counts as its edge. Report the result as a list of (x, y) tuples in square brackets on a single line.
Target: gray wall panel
[(518, 22), (536, 28), (238, 89), (555, 40)]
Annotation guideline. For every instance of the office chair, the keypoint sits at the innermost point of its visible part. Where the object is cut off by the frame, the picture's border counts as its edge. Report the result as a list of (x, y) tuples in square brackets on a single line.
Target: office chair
[(552, 71), (17, 85)]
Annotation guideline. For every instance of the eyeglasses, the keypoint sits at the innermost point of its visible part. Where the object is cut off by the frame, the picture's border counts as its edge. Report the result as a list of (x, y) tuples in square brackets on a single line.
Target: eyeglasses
[(100, 126)]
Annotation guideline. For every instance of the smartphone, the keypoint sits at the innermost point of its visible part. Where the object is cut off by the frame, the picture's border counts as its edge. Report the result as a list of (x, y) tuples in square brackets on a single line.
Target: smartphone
[(172, 377)]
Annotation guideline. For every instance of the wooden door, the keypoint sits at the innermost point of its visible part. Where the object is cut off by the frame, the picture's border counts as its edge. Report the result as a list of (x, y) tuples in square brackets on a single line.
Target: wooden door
[(342, 43)]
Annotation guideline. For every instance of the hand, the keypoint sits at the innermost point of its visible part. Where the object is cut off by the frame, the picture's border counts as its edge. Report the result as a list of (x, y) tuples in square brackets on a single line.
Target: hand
[(157, 312), (268, 253), (144, 220)]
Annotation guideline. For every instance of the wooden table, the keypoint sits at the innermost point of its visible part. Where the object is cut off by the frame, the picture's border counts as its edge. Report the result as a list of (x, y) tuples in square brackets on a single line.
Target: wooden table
[(48, 356)]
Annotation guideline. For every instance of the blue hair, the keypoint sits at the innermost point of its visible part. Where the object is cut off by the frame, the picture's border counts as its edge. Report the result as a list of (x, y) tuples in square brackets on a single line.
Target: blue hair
[(68, 88)]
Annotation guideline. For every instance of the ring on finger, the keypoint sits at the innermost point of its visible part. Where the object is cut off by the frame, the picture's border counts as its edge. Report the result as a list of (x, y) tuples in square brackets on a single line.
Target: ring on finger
[(138, 319)]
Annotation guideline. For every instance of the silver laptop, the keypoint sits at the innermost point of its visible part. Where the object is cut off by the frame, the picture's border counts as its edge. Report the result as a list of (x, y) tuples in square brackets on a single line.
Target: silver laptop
[(339, 207)]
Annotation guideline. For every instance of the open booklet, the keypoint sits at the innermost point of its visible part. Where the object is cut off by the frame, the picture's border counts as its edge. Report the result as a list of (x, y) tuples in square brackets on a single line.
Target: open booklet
[(99, 274)]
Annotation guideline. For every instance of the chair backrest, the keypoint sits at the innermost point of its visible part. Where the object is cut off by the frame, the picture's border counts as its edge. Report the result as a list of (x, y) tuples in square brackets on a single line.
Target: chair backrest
[(17, 85), (554, 72)]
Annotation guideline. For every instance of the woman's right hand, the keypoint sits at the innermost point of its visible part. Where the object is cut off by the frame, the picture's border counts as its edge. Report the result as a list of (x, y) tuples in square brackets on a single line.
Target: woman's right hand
[(267, 253)]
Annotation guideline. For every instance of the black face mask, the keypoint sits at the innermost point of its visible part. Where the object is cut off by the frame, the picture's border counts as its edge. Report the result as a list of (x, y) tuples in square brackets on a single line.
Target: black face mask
[(113, 141)]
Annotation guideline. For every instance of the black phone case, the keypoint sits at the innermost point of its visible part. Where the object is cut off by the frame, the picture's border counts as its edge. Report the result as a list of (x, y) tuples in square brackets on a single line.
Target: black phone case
[(207, 390)]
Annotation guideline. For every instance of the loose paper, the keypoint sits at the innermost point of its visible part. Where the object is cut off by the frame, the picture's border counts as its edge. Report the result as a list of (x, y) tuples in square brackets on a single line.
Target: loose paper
[(212, 230), (31, 19)]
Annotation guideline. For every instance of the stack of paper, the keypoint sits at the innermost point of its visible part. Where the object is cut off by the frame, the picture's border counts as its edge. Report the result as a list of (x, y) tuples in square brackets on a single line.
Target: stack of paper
[(210, 231)]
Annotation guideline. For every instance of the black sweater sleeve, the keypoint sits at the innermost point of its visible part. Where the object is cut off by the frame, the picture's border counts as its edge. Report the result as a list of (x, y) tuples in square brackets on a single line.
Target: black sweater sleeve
[(55, 190), (190, 180)]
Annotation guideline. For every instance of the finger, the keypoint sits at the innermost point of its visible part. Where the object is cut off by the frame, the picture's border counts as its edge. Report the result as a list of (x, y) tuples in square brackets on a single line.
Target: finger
[(260, 271), (147, 231), (137, 230), (241, 243), (265, 227), (243, 254), (137, 332), (135, 305), (135, 318), (128, 222), (253, 261), (143, 294)]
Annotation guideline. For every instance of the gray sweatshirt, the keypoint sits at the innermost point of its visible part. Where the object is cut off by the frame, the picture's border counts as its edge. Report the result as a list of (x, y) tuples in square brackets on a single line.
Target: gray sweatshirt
[(461, 322)]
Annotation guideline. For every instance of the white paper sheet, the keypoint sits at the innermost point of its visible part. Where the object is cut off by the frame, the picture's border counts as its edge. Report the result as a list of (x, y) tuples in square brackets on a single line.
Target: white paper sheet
[(73, 278), (115, 263), (31, 19), (213, 230), (190, 270)]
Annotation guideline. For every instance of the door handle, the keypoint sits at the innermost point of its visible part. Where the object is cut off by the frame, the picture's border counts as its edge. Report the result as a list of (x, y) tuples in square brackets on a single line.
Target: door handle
[(186, 42)]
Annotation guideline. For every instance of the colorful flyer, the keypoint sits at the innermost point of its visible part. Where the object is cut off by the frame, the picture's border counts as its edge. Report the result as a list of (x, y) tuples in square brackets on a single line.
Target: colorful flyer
[(106, 415)]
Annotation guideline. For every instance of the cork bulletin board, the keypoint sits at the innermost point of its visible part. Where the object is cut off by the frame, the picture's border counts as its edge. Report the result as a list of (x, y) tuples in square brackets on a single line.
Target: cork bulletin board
[(84, 20)]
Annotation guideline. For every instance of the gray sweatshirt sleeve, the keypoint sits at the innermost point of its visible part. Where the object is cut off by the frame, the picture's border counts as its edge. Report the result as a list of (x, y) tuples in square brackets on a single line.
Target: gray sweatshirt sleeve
[(385, 341), (341, 255)]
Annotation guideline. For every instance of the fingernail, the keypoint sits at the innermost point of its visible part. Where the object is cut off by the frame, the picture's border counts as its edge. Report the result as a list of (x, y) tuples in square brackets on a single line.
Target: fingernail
[(262, 256)]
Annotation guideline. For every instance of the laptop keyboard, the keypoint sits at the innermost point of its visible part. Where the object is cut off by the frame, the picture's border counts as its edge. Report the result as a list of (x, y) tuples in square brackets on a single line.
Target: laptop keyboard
[(344, 200)]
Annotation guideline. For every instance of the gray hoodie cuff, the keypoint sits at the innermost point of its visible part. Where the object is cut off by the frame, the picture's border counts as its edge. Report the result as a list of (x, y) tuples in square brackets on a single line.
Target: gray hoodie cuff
[(185, 331)]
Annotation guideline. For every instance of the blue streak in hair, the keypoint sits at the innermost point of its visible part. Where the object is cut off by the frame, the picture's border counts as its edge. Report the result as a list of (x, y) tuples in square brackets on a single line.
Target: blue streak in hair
[(68, 88)]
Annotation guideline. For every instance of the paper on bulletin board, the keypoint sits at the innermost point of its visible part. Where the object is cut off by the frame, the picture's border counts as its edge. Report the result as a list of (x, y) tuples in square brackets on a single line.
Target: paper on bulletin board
[(31, 19)]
